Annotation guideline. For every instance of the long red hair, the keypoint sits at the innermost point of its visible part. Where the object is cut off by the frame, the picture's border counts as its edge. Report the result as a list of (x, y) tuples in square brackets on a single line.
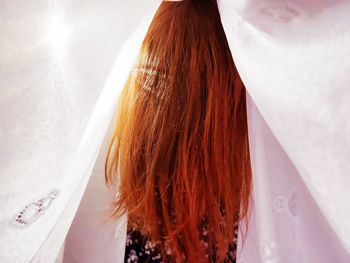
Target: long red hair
[(180, 152)]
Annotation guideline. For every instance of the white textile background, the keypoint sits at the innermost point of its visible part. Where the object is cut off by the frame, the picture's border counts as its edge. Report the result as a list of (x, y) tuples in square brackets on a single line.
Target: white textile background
[(55, 57), (56, 105), (293, 57)]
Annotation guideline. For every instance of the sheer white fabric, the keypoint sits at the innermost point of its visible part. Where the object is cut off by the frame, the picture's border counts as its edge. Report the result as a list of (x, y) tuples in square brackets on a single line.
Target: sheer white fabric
[(55, 110), (55, 113), (292, 56)]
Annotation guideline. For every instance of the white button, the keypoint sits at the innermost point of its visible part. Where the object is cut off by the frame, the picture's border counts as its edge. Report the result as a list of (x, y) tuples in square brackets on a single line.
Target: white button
[(268, 252), (280, 203)]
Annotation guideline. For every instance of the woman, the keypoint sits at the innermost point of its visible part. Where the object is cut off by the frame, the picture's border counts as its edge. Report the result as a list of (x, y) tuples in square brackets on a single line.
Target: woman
[(180, 146)]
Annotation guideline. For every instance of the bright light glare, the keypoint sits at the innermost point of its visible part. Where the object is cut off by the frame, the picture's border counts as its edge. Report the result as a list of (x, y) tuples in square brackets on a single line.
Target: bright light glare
[(57, 35)]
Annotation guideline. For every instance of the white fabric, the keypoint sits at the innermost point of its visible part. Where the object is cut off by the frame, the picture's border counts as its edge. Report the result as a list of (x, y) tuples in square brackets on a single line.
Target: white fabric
[(54, 59), (286, 224), (91, 237), (293, 59)]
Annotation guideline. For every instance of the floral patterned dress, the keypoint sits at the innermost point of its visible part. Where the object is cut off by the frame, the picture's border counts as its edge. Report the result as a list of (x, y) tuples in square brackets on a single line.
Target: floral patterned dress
[(139, 249)]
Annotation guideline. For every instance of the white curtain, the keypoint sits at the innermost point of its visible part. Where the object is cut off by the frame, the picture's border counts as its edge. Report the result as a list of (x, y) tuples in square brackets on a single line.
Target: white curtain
[(56, 106), (56, 110), (293, 57)]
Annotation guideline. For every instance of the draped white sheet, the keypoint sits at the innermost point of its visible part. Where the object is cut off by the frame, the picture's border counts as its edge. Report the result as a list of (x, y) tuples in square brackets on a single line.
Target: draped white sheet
[(55, 109), (54, 59), (293, 58)]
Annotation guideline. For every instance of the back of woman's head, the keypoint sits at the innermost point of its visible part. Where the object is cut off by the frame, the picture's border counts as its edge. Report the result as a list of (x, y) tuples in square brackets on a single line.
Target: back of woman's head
[(180, 147)]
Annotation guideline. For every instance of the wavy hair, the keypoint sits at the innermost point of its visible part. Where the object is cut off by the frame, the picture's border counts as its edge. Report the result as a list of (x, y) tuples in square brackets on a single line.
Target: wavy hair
[(179, 155)]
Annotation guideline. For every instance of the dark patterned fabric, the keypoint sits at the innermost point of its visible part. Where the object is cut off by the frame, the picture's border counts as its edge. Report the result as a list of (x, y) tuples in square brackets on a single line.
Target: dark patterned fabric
[(139, 249)]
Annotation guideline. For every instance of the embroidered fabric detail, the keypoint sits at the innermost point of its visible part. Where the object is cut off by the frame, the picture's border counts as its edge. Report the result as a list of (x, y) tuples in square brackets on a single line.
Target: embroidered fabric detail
[(33, 210)]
